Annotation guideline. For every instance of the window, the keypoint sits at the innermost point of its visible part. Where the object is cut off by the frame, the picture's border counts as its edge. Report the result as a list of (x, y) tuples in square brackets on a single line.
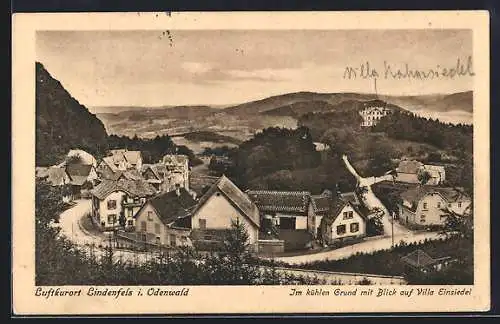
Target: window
[(340, 229), (183, 240), (150, 215), (348, 215), (129, 213), (424, 206), (130, 222), (354, 227), (422, 218), (449, 205), (111, 204), (157, 228), (459, 205), (439, 204), (112, 219), (202, 223), (172, 240), (207, 237), (144, 227)]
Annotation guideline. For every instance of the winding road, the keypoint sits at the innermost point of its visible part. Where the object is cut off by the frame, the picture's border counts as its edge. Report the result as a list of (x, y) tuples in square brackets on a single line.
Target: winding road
[(372, 244)]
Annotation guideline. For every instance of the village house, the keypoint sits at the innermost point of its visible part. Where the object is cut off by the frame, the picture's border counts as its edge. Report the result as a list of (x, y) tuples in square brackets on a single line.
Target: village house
[(57, 177), (419, 261), (155, 174), (223, 204), (166, 218), (289, 210), (409, 170), (426, 205), (372, 112), (120, 160), (177, 167), (346, 220), (119, 199)]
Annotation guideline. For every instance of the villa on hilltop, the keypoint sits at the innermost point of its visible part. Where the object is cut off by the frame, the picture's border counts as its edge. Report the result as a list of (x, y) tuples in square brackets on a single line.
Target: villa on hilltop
[(373, 111)]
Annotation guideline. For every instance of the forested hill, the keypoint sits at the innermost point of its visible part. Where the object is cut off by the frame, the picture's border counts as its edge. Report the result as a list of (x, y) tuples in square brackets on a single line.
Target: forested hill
[(62, 123)]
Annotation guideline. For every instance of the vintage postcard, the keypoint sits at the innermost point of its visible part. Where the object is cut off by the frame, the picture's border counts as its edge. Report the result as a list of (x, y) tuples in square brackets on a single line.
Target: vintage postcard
[(257, 162)]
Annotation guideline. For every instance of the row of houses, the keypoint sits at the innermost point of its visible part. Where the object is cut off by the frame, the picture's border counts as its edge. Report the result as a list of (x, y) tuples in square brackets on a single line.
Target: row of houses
[(178, 217), (80, 167)]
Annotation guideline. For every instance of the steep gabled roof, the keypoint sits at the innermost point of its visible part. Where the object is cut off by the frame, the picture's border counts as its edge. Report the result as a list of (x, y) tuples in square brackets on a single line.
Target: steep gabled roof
[(170, 206), (237, 197), (280, 201), (418, 259), (153, 168), (136, 188)]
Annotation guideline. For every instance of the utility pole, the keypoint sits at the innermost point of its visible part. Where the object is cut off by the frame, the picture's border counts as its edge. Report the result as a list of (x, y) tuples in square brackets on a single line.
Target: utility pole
[(392, 228)]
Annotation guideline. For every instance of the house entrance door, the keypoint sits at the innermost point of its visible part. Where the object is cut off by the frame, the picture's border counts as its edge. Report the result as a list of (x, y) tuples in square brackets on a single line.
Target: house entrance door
[(287, 223)]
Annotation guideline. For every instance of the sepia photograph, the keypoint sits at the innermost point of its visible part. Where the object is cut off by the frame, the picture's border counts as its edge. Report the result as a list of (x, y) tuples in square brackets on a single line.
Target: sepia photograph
[(173, 158)]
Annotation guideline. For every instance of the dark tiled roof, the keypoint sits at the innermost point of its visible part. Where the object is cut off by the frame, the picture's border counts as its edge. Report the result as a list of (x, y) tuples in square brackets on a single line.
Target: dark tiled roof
[(321, 204), (235, 196), (280, 201), (171, 206), (136, 188), (76, 169), (418, 259), (409, 166)]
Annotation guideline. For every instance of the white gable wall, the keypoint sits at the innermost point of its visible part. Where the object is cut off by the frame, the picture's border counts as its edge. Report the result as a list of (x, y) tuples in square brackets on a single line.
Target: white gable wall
[(104, 211), (218, 213), (347, 222)]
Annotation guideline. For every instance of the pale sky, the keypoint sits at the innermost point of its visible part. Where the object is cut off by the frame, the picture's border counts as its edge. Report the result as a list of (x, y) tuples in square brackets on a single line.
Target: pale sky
[(145, 68)]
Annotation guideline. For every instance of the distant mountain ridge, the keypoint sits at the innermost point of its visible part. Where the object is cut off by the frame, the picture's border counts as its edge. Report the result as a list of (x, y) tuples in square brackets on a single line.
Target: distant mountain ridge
[(461, 101), (303, 102)]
